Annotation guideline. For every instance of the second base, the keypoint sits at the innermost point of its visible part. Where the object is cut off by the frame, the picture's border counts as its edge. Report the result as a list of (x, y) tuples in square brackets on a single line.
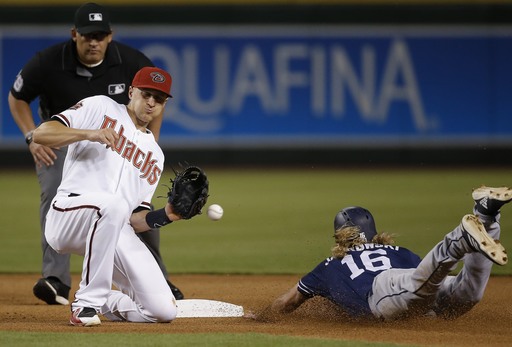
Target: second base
[(197, 308)]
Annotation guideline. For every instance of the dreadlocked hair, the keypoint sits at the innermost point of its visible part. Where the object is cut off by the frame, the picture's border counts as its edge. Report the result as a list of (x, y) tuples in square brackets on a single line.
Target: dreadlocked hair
[(349, 236)]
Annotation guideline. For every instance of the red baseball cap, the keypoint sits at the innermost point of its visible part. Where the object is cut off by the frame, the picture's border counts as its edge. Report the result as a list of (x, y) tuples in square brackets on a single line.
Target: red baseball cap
[(153, 78)]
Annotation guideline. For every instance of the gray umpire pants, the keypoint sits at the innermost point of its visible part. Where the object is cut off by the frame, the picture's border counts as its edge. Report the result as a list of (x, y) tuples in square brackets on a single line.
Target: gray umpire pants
[(58, 265)]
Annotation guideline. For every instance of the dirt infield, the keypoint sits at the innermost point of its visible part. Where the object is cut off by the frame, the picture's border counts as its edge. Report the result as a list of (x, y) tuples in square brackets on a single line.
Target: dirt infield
[(489, 324)]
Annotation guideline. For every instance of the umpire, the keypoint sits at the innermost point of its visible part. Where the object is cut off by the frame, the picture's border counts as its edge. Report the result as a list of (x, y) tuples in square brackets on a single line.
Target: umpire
[(90, 63)]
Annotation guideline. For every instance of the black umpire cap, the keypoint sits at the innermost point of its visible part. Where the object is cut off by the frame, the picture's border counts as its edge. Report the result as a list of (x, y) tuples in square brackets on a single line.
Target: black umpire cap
[(91, 18)]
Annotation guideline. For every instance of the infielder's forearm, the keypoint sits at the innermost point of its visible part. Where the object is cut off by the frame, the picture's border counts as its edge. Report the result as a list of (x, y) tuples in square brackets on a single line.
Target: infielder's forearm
[(138, 220), (55, 134)]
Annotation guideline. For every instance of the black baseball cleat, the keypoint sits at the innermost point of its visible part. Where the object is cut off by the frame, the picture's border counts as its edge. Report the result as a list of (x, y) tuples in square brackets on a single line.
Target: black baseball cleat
[(52, 291), (489, 200), (479, 240), (178, 295)]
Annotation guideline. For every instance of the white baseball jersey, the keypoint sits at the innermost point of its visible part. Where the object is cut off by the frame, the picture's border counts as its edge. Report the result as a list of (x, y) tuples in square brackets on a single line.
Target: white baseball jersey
[(131, 170)]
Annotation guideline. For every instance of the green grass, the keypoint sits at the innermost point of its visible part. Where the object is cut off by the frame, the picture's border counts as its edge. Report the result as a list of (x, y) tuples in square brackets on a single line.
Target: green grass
[(175, 340), (276, 220)]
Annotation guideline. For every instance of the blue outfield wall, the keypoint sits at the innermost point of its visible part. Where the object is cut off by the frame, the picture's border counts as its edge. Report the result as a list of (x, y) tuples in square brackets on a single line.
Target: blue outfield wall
[(300, 86)]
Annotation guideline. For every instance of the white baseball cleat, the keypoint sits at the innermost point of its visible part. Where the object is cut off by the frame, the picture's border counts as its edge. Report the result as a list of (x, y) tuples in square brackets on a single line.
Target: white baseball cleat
[(479, 240), (85, 316), (489, 200)]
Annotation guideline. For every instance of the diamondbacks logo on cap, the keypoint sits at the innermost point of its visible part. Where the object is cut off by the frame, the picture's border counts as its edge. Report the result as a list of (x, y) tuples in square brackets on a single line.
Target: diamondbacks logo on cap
[(153, 78), (95, 17), (157, 77)]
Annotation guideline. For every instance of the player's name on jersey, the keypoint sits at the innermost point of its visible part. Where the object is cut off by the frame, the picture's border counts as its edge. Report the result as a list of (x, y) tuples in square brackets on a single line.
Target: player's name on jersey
[(372, 246)]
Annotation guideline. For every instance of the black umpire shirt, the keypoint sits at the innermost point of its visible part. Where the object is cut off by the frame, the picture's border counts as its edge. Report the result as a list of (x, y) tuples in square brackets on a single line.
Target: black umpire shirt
[(60, 80)]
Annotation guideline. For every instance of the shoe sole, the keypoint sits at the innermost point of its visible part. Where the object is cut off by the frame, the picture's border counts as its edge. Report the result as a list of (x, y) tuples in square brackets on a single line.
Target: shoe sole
[(499, 193), (89, 323), (85, 321), (45, 291), (481, 241)]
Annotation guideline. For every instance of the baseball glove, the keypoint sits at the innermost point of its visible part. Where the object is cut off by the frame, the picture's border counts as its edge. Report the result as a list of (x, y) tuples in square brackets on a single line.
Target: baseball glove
[(189, 192)]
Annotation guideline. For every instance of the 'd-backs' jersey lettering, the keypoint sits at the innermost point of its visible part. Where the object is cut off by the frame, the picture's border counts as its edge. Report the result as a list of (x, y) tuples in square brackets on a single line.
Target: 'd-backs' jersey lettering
[(143, 161), (348, 281)]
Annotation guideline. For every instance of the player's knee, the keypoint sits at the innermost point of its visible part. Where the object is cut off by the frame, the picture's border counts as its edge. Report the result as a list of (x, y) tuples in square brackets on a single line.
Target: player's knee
[(164, 312)]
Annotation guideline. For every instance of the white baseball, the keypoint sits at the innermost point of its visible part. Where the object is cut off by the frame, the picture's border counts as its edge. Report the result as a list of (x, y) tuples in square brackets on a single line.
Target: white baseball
[(215, 212)]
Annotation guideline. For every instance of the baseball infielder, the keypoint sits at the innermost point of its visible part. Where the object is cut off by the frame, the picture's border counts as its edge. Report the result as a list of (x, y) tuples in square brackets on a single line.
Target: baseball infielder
[(377, 279), (111, 171), (90, 63)]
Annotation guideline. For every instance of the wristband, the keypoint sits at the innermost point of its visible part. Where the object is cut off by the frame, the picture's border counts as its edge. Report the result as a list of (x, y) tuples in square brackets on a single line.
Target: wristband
[(28, 137), (157, 219)]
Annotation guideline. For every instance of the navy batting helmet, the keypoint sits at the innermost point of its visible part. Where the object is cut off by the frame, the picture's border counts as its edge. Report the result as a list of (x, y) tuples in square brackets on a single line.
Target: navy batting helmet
[(356, 216)]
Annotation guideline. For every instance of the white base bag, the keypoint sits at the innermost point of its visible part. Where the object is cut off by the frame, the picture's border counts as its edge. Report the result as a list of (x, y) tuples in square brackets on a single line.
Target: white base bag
[(202, 308)]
